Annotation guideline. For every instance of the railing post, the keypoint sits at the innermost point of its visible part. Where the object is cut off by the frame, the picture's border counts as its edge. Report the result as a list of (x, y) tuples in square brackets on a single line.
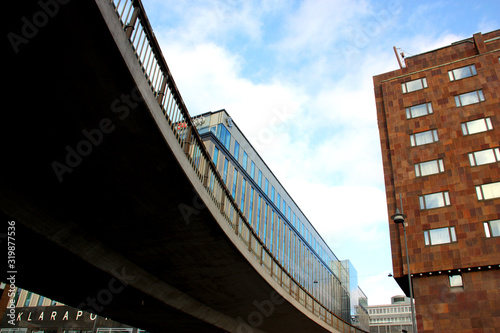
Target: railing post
[(161, 92), (206, 173), (187, 140), (129, 28), (281, 277), (222, 203), (272, 266), (237, 222), (249, 240)]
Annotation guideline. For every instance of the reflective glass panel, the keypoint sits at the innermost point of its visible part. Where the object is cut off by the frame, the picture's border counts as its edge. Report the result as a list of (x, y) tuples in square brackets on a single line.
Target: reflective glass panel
[(469, 98), (414, 85), (495, 228), (477, 126), (462, 72), (418, 110), (434, 200), (429, 168), (488, 191), (224, 173), (243, 189), (440, 236), (484, 156), (236, 150), (456, 281), (235, 184), (423, 138), (245, 160)]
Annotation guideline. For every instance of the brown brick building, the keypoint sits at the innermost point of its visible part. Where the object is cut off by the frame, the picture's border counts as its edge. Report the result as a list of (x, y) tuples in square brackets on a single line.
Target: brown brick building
[(439, 123)]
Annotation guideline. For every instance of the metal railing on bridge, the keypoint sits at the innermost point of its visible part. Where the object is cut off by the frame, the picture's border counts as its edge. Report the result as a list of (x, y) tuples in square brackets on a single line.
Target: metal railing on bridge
[(136, 25)]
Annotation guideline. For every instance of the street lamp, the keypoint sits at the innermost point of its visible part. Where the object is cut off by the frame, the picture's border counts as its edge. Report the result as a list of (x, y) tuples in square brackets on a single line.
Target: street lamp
[(399, 218)]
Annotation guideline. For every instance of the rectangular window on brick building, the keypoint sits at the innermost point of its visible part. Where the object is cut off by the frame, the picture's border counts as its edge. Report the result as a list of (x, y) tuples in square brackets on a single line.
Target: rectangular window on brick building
[(477, 126), (456, 281), (469, 98), (434, 200), (423, 138), (484, 156), (418, 110), (414, 85), (462, 72), (492, 228), (429, 168), (440, 236), (488, 191)]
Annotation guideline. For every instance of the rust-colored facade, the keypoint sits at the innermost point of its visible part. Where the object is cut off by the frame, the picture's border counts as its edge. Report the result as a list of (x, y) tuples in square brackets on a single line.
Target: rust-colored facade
[(439, 124)]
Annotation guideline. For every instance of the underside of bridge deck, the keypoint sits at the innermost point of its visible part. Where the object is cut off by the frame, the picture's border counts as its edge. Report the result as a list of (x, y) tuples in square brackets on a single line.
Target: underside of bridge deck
[(103, 204)]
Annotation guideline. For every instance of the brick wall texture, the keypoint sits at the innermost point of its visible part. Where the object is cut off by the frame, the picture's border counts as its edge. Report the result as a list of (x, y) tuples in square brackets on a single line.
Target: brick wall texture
[(474, 307)]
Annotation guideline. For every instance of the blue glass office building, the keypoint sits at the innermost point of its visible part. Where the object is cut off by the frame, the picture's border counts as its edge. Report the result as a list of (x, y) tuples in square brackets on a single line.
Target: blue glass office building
[(273, 214)]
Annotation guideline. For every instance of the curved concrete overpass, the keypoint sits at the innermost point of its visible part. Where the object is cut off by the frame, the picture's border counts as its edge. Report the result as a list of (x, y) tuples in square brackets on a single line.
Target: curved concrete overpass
[(110, 215)]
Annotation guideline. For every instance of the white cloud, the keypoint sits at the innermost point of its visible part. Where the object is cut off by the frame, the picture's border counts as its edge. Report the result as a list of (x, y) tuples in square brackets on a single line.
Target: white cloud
[(321, 144), (386, 287), (209, 78), (316, 25), (311, 115), (340, 211), (199, 21), (421, 43)]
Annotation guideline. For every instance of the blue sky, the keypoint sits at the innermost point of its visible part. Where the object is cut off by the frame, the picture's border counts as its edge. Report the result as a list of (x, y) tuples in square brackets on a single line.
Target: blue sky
[(296, 76)]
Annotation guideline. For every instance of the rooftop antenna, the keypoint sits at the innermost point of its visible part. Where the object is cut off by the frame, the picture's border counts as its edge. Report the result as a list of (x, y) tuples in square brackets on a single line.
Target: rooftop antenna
[(397, 57)]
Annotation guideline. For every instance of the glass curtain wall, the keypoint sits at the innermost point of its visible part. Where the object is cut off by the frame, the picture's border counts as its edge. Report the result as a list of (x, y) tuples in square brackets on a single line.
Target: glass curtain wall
[(290, 240)]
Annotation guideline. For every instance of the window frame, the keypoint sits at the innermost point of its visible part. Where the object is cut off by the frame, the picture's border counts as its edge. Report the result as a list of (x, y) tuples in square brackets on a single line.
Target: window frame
[(488, 230), (243, 190), (452, 73), (28, 298), (235, 184), (257, 219), (428, 108), (40, 300), (480, 191), (466, 130), (244, 162), (440, 167), (423, 202), (452, 236), (495, 153), (236, 151), (423, 83), (459, 283), (414, 139), (479, 94), (250, 206), (223, 135)]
